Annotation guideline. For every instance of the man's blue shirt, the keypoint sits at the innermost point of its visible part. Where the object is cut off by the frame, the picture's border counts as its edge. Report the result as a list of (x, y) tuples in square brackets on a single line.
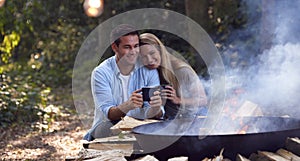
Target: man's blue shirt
[(107, 88)]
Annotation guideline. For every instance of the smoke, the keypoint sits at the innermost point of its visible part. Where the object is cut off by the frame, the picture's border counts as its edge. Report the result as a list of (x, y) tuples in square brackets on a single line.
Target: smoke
[(271, 79), (287, 21), (276, 85)]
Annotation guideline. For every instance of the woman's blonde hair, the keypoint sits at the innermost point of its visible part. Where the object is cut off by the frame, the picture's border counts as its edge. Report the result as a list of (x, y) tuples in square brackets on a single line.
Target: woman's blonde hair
[(169, 63)]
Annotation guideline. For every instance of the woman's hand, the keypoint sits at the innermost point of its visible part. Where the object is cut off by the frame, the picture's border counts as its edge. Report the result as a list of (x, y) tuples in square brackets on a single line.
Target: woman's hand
[(155, 100), (155, 104), (170, 93)]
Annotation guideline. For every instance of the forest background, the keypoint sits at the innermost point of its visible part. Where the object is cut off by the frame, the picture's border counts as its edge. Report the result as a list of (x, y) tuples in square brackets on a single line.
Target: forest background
[(40, 39)]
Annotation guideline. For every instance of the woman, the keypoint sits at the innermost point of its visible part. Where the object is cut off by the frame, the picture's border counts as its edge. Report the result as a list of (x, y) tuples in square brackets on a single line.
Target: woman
[(184, 92)]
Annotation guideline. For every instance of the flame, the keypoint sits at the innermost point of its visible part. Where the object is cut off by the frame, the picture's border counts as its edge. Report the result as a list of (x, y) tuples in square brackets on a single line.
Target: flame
[(232, 104), (244, 130)]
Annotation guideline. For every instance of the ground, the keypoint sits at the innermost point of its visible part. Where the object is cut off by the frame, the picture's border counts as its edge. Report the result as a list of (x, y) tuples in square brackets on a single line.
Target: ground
[(22, 142)]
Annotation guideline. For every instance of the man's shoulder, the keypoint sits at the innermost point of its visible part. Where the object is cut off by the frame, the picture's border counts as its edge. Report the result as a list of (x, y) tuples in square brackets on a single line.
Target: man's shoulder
[(105, 65)]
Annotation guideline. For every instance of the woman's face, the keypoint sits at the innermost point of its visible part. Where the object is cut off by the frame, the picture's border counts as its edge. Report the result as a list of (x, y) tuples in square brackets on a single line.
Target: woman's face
[(150, 56)]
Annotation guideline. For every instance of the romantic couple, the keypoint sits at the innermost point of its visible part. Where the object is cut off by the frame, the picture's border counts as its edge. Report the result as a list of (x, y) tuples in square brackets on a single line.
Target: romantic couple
[(140, 61)]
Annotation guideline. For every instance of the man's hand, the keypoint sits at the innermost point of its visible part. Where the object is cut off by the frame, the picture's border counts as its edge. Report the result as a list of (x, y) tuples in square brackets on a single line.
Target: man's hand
[(135, 101)]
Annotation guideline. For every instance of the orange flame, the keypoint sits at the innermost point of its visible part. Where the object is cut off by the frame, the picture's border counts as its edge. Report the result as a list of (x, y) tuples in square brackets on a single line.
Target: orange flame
[(243, 130)]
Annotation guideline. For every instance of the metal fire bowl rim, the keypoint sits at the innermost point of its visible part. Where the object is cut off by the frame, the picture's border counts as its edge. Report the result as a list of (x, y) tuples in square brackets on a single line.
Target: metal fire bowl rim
[(138, 130)]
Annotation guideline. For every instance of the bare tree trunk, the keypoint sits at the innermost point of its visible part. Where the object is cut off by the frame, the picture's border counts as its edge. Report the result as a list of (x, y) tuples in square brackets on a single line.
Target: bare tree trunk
[(198, 11)]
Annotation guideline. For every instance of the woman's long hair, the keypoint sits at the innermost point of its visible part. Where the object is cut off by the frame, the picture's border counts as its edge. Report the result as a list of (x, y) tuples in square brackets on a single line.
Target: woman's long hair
[(169, 63), (190, 89)]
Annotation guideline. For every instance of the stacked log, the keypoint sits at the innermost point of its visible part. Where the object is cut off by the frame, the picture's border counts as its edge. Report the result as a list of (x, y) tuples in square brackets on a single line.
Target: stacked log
[(293, 145), (291, 152), (121, 146)]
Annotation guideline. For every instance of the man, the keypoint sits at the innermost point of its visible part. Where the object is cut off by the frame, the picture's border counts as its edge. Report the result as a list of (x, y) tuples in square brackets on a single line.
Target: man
[(116, 85)]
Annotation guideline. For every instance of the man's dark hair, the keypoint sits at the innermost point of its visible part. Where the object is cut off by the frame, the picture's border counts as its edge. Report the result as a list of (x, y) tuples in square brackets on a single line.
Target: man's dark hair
[(122, 30)]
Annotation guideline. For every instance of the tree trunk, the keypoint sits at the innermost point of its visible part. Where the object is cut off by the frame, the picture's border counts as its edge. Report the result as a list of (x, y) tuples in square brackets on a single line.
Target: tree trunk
[(198, 11)]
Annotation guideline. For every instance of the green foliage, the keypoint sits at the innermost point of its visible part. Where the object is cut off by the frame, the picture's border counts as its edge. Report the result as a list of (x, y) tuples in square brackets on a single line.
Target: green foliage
[(225, 14), (22, 96), (25, 97), (15, 20), (39, 41), (9, 42)]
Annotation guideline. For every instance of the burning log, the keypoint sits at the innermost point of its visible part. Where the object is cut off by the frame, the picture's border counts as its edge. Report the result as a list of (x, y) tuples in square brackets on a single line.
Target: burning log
[(293, 145), (249, 109), (288, 155), (243, 130)]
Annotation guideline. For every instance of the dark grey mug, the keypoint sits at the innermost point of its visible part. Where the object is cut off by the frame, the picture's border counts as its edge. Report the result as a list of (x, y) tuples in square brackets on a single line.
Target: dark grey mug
[(149, 92)]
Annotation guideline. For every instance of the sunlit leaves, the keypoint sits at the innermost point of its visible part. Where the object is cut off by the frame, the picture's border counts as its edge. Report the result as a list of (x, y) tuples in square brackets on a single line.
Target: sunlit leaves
[(21, 96), (9, 42)]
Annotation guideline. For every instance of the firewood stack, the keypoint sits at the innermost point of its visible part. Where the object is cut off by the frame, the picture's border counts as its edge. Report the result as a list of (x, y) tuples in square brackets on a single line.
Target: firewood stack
[(104, 149), (108, 149), (118, 147), (121, 147), (114, 148), (291, 152)]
